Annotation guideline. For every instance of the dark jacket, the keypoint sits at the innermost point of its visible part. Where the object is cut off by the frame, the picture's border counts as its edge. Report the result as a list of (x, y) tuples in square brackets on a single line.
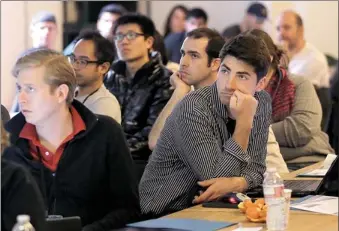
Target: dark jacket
[(19, 195), (173, 43), (141, 98), (95, 177)]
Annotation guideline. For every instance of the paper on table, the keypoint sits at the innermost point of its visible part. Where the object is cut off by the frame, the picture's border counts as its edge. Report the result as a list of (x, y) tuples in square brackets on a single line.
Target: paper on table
[(248, 229), (183, 224), (319, 204), (323, 170)]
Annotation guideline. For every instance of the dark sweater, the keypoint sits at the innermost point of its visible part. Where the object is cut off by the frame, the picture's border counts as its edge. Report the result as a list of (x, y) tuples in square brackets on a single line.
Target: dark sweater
[(19, 195), (95, 176)]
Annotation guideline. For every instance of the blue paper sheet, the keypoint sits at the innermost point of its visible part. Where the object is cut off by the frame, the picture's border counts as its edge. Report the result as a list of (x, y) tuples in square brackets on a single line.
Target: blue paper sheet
[(183, 224)]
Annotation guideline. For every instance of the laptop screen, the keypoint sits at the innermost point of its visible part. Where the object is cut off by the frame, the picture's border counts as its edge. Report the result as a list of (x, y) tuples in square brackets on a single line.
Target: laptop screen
[(330, 185)]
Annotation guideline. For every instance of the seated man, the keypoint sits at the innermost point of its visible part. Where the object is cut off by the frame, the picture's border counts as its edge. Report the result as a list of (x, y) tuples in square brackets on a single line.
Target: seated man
[(91, 59), (80, 160), (140, 82), (199, 66), (217, 131), (305, 59)]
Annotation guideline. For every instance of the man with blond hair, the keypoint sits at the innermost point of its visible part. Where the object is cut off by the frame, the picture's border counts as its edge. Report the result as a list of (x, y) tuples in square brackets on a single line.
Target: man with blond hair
[(80, 160)]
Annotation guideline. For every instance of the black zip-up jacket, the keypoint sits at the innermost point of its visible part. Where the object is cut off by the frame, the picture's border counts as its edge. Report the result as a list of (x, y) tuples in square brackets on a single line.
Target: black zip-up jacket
[(95, 177), (141, 98)]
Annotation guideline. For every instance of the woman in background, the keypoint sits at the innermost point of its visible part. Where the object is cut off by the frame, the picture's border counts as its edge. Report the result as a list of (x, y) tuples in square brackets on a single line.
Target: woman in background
[(175, 22), (19, 192), (159, 46), (296, 111)]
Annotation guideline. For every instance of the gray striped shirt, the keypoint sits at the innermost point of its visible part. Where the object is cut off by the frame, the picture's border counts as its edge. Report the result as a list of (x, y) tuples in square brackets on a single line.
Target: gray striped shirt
[(196, 145)]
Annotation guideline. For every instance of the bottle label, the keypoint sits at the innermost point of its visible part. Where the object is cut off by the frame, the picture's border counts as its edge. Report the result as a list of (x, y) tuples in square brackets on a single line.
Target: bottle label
[(275, 192)]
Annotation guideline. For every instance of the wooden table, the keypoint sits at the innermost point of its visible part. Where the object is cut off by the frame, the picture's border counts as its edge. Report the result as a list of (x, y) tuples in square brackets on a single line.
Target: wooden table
[(299, 220)]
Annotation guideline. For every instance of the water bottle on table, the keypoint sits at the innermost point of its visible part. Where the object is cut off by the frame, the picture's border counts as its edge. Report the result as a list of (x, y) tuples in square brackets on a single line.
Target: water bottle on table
[(23, 223), (275, 200)]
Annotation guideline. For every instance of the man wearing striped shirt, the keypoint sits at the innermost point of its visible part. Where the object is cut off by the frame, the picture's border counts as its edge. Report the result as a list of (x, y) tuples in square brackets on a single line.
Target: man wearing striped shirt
[(218, 131)]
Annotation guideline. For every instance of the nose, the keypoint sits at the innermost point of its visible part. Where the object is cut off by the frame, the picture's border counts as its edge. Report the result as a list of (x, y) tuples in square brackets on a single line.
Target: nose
[(231, 83), (22, 97), (183, 60)]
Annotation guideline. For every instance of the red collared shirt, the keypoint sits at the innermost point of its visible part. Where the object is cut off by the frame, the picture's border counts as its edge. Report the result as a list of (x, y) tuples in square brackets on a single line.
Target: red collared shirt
[(50, 159)]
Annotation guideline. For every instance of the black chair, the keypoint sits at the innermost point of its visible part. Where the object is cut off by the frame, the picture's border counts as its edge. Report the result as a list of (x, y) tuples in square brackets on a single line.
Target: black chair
[(326, 106)]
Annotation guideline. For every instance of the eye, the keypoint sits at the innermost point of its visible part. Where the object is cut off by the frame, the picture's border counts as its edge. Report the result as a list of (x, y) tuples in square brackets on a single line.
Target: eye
[(224, 70), (195, 56), (242, 77), (30, 89)]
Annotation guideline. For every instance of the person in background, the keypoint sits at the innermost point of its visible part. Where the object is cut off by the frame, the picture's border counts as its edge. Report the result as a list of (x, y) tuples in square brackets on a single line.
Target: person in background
[(255, 17), (91, 59), (296, 111), (159, 46), (305, 59), (80, 160), (44, 30), (139, 81), (218, 131), (175, 22), (196, 18), (106, 19), (19, 192)]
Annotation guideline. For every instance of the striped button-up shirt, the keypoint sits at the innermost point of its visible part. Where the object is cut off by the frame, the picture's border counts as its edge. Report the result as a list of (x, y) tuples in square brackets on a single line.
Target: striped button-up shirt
[(196, 144)]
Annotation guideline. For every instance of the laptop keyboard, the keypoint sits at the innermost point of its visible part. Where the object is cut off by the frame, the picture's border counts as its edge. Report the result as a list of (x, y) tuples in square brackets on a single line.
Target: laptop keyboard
[(302, 185)]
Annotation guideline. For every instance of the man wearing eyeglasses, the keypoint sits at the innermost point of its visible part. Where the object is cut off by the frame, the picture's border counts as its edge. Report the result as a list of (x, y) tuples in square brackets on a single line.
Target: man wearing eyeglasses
[(91, 59), (140, 82)]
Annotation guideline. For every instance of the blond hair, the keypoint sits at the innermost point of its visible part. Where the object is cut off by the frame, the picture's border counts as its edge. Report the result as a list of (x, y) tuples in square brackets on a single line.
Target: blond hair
[(4, 138), (58, 70)]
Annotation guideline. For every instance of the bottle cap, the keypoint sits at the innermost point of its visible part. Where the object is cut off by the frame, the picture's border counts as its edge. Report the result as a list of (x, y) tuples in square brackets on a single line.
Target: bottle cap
[(23, 218)]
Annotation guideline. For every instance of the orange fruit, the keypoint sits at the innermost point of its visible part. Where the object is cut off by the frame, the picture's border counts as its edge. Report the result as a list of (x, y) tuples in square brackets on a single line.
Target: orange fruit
[(253, 212), (241, 206), (263, 213), (248, 203), (260, 201)]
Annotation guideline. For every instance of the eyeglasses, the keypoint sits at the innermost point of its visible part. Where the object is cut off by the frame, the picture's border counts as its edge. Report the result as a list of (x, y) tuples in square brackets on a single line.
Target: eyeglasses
[(81, 63), (131, 35)]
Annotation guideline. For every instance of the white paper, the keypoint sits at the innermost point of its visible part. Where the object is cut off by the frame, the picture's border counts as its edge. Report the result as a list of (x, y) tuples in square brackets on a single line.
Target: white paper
[(319, 204), (248, 229)]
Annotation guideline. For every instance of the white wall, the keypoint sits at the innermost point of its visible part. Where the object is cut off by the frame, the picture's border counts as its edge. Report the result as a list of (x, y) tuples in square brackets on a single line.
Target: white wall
[(15, 38), (320, 17)]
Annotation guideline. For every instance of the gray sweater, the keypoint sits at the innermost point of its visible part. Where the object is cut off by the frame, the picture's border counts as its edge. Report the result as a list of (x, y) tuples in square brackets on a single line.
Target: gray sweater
[(299, 134)]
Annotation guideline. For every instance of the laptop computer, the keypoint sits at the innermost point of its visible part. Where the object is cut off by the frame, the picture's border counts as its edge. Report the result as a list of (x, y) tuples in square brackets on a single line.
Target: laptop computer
[(327, 186), (64, 224)]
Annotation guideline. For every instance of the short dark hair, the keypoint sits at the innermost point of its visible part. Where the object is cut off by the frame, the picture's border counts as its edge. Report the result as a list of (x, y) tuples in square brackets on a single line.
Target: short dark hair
[(197, 13), (113, 9), (276, 52), (145, 23), (249, 49), (215, 41), (104, 49)]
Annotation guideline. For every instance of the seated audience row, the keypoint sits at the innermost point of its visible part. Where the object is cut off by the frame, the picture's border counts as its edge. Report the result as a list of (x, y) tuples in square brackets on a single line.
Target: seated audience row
[(218, 138)]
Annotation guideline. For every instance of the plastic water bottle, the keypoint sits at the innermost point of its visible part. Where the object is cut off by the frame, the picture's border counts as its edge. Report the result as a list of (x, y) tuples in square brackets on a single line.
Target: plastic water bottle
[(275, 200), (23, 223)]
